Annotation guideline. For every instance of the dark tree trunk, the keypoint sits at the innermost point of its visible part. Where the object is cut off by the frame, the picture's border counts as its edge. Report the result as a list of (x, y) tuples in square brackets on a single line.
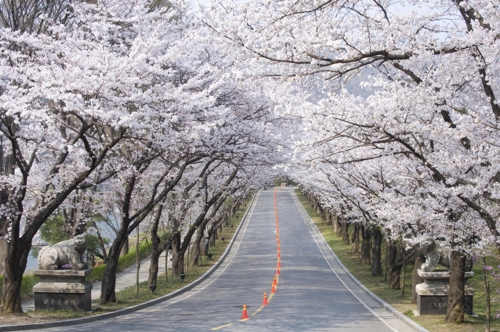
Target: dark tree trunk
[(156, 248), (345, 233), (212, 237), (3, 254), (321, 212), (125, 248), (196, 248), (365, 245), (109, 280), (154, 266), (355, 238), (337, 227), (328, 215), (11, 290), (177, 256), (377, 252), (395, 264), (415, 278), (456, 303)]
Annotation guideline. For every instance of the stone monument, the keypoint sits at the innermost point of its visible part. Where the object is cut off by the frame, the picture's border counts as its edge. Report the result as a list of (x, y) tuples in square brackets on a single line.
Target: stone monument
[(432, 294), (62, 270)]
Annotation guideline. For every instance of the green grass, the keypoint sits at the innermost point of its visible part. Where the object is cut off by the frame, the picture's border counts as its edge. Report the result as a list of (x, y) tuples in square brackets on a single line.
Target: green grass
[(403, 303), (128, 297)]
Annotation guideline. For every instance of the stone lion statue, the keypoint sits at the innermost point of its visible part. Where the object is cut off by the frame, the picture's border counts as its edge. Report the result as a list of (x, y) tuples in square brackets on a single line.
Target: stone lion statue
[(71, 252), (434, 254)]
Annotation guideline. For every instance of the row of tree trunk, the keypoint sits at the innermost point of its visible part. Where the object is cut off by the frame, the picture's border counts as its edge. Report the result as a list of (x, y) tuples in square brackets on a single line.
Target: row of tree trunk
[(181, 245), (366, 242)]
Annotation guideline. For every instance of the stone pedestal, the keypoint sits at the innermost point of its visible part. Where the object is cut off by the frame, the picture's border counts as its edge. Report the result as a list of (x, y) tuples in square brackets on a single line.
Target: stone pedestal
[(62, 289), (432, 294)]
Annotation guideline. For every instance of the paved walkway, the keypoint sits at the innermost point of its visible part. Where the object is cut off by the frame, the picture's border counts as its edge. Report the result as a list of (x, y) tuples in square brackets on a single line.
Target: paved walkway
[(124, 279)]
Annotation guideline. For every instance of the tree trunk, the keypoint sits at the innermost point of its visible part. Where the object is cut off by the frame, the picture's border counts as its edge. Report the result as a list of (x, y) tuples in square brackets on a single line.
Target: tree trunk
[(487, 294), (212, 238), (137, 261), (125, 248), (337, 228), (196, 248), (328, 215), (456, 303), (355, 238), (177, 256), (377, 252), (345, 233), (415, 278), (395, 264), (108, 282), (154, 266), (3, 255), (365, 245), (15, 265)]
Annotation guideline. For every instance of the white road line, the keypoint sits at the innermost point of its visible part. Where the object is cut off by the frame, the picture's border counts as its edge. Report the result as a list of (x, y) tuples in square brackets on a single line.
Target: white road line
[(306, 217)]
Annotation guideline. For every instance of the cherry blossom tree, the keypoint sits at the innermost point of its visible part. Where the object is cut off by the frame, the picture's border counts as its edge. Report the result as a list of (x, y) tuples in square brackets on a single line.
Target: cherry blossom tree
[(420, 150)]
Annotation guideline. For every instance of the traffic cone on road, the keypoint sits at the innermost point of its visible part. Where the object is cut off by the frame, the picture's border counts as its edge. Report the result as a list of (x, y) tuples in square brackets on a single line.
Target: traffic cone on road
[(275, 282), (278, 270), (273, 288), (244, 315), (264, 302), (279, 263)]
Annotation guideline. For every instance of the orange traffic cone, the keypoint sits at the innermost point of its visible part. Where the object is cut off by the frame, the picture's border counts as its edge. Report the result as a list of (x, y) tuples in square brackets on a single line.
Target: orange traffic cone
[(244, 315), (278, 270), (279, 263), (273, 288), (264, 302), (279, 255), (275, 282)]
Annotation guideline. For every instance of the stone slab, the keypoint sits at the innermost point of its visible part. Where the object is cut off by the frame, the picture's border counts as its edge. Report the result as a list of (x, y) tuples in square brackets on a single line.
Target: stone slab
[(62, 290), (437, 305), (62, 287), (426, 289), (63, 301)]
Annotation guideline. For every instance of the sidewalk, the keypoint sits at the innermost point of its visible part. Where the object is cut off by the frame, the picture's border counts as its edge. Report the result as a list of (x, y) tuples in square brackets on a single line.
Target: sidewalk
[(124, 279)]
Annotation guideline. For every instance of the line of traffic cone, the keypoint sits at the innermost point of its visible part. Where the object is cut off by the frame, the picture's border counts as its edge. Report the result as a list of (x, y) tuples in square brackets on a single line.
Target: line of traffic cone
[(244, 314)]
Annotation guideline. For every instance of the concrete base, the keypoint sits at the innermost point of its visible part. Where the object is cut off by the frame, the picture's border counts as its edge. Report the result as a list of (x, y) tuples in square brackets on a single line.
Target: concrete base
[(432, 294), (438, 305), (62, 289)]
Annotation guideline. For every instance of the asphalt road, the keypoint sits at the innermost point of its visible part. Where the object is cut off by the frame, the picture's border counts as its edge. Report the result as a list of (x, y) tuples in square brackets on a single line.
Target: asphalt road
[(313, 292)]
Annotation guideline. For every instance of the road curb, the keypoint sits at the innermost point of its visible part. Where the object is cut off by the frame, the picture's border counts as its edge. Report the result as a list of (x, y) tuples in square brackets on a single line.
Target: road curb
[(119, 312), (410, 323)]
